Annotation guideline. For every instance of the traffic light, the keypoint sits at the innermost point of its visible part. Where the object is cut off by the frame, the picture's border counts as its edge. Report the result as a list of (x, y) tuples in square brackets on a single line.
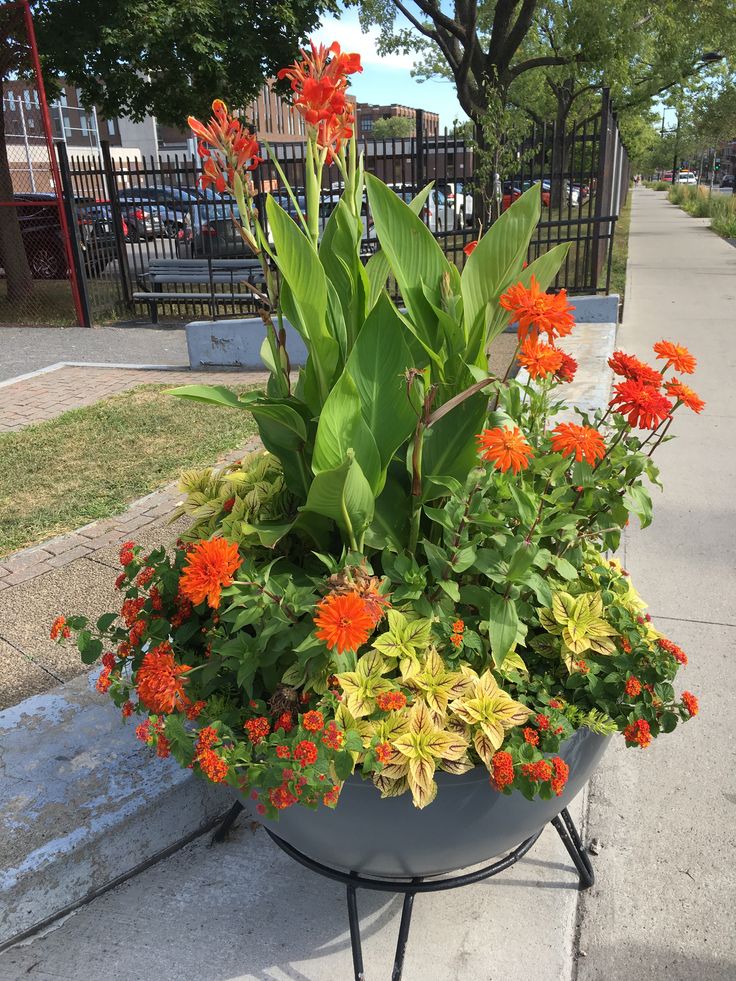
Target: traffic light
[(717, 163)]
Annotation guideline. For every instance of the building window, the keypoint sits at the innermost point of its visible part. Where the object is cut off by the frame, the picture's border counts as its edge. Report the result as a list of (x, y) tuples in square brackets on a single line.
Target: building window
[(111, 127), (366, 124), (11, 100)]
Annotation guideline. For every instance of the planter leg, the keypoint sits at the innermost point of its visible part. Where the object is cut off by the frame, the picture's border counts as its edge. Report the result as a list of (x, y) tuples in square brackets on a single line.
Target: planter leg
[(355, 944), (565, 828), (406, 912), (354, 920), (227, 822)]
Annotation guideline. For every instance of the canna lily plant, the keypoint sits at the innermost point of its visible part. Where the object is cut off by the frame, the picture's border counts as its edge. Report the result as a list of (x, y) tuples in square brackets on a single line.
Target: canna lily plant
[(413, 575)]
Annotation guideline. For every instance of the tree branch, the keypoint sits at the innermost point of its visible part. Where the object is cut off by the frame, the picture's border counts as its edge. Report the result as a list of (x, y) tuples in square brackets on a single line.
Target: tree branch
[(544, 62)]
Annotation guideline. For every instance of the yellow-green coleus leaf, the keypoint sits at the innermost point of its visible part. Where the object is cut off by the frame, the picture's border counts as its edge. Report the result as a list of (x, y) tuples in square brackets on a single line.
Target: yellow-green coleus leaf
[(580, 621), (347, 722), (361, 686), (437, 686), (490, 709), (422, 747), (404, 640)]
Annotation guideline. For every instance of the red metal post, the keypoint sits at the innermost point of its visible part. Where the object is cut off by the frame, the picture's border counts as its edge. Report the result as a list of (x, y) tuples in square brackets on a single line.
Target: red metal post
[(66, 232)]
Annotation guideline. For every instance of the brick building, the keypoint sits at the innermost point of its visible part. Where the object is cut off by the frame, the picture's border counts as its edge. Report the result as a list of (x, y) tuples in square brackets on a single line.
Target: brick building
[(367, 115)]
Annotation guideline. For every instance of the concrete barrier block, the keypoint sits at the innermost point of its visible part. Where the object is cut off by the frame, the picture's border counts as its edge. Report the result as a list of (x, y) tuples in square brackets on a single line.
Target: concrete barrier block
[(236, 344)]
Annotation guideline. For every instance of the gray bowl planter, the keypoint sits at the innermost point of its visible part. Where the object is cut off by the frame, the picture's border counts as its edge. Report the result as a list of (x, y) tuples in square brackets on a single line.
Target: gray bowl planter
[(468, 822)]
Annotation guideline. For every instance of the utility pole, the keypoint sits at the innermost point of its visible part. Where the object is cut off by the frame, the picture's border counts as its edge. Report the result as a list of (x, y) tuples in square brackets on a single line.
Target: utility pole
[(676, 164)]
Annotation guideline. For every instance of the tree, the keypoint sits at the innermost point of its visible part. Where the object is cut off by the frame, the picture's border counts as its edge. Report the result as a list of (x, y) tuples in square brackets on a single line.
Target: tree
[(390, 126), (169, 58)]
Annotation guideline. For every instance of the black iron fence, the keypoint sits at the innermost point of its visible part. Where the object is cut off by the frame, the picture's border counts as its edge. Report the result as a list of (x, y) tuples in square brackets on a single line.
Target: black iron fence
[(146, 210)]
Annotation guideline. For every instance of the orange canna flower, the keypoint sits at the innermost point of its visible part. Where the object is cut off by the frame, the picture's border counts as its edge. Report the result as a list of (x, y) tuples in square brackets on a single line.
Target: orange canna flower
[(159, 681), (642, 405), (684, 394), (319, 81), (582, 442), (539, 359), (227, 148), (676, 355), (505, 449), (538, 312), (345, 621), (210, 566), (471, 247)]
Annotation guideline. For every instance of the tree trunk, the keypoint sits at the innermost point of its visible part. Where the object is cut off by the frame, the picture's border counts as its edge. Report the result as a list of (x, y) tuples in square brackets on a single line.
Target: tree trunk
[(560, 146), (18, 278)]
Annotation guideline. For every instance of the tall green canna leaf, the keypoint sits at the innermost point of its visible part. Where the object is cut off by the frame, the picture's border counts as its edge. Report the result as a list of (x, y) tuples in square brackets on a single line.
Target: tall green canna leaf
[(450, 448), (377, 268), (342, 428), (498, 257), (345, 496), (339, 255), (415, 257), (378, 365)]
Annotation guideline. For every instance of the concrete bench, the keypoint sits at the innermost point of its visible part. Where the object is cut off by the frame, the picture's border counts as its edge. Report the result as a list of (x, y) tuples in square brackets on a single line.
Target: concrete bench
[(163, 273)]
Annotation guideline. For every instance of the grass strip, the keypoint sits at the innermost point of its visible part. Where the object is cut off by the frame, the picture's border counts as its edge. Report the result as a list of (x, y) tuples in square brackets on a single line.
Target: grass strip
[(90, 463)]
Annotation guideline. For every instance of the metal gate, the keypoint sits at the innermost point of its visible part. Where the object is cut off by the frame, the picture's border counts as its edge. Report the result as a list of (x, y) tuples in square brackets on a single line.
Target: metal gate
[(40, 274)]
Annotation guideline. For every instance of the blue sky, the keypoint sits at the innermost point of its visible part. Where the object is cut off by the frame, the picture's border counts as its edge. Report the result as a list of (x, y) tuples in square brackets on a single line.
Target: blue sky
[(388, 80)]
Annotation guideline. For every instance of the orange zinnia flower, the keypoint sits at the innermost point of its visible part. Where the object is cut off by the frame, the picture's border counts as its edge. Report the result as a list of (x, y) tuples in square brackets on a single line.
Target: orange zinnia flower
[(631, 367), (676, 355), (684, 394), (642, 405), (210, 566), (582, 442), (159, 682), (505, 449), (566, 371), (345, 621), (539, 359), (538, 312)]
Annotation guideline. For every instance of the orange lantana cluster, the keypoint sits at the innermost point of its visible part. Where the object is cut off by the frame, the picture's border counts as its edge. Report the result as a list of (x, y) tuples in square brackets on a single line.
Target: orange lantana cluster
[(319, 81)]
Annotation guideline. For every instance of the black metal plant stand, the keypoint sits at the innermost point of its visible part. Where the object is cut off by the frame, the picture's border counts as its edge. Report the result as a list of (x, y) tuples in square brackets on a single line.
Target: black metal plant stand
[(563, 825)]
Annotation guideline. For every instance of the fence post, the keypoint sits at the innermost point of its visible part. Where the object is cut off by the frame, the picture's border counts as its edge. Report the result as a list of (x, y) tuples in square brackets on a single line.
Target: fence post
[(421, 170), (597, 252), (117, 220), (78, 271)]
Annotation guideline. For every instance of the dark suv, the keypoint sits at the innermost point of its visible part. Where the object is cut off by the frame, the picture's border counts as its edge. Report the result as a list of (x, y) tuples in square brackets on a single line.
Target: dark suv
[(38, 217)]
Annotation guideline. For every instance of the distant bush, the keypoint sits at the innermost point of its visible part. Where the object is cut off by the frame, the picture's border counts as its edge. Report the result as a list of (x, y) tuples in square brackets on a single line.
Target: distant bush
[(661, 186), (700, 203)]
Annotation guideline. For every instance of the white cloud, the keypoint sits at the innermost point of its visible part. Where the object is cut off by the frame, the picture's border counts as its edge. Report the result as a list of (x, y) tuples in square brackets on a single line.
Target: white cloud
[(346, 31)]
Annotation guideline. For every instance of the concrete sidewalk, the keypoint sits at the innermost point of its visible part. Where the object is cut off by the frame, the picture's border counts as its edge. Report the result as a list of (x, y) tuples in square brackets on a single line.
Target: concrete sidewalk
[(662, 909), (24, 349), (663, 904)]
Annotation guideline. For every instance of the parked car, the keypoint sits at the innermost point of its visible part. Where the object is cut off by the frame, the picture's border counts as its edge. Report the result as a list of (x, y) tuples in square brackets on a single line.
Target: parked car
[(147, 213), (459, 199), (38, 217), (728, 182), (687, 177)]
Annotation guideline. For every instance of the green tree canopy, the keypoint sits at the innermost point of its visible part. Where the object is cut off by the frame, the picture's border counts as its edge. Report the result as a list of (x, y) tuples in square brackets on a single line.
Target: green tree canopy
[(170, 57), (390, 126)]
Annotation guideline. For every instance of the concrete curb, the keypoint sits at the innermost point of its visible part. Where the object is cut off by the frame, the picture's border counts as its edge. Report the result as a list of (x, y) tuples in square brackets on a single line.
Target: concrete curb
[(82, 804)]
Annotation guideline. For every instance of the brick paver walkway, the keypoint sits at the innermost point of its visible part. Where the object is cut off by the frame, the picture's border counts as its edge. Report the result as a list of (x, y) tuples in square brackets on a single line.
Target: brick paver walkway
[(47, 395), (54, 553)]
